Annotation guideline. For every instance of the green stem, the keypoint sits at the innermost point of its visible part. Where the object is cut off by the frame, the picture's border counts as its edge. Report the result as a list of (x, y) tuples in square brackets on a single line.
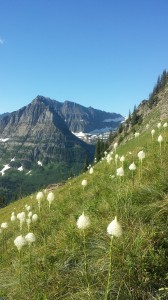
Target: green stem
[(109, 272), (20, 270), (3, 242), (133, 177), (85, 264), (29, 263)]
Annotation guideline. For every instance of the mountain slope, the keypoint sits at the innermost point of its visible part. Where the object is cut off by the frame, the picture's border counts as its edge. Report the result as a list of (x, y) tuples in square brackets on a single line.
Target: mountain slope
[(69, 263), (34, 140), (37, 132)]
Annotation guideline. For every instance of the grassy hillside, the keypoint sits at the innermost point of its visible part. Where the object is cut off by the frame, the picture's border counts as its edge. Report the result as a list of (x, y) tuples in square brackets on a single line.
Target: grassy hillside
[(70, 263)]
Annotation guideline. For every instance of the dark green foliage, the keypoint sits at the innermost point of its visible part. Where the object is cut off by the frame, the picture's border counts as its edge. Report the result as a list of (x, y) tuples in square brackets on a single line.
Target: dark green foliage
[(134, 117), (121, 128), (161, 82), (86, 163), (100, 148), (15, 184)]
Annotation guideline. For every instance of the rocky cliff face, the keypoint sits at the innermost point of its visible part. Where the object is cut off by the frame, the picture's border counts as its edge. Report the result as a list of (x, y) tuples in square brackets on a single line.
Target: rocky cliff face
[(79, 118), (39, 132)]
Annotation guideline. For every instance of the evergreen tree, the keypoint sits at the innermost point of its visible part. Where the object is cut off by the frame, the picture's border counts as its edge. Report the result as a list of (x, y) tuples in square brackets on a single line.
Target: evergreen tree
[(86, 163), (100, 148)]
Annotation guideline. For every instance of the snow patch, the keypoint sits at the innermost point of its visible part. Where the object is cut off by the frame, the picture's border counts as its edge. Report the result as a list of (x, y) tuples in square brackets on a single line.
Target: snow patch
[(4, 140), (39, 163), (20, 169), (29, 173), (101, 130), (119, 119), (6, 167), (79, 134)]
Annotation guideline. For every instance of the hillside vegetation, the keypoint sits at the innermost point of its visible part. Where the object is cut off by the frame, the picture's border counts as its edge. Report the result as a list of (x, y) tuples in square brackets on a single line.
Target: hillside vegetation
[(71, 263), (103, 235)]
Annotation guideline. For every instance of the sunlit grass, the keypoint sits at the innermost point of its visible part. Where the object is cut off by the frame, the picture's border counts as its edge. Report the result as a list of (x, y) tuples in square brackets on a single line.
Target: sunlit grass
[(138, 260)]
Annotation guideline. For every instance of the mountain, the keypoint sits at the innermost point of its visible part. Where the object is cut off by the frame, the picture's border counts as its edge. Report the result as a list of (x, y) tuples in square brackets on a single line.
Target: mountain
[(38, 132), (3, 115), (79, 118), (43, 130), (39, 137), (118, 248)]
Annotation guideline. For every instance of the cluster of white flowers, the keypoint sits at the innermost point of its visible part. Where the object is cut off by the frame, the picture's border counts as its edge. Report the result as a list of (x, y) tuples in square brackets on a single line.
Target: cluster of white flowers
[(21, 241), (113, 229)]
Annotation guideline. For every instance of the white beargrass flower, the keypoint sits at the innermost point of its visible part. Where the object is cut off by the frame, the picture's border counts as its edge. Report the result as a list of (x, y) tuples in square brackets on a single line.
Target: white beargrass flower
[(21, 216), (50, 197), (165, 125), (84, 182), (159, 125), (115, 146), (112, 176), (4, 225), (91, 170), (108, 158), (13, 218), (122, 158), (30, 238), (132, 167), (114, 228), (152, 132), (136, 134), (83, 222), (30, 214), (160, 138), (19, 242), (28, 221), (39, 198), (120, 172), (141, 155), (34, 218), (116, 157), (28, 207)]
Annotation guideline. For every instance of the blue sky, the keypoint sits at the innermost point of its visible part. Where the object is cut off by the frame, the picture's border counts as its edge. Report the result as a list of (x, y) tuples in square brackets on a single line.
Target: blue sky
[(106, 54)]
